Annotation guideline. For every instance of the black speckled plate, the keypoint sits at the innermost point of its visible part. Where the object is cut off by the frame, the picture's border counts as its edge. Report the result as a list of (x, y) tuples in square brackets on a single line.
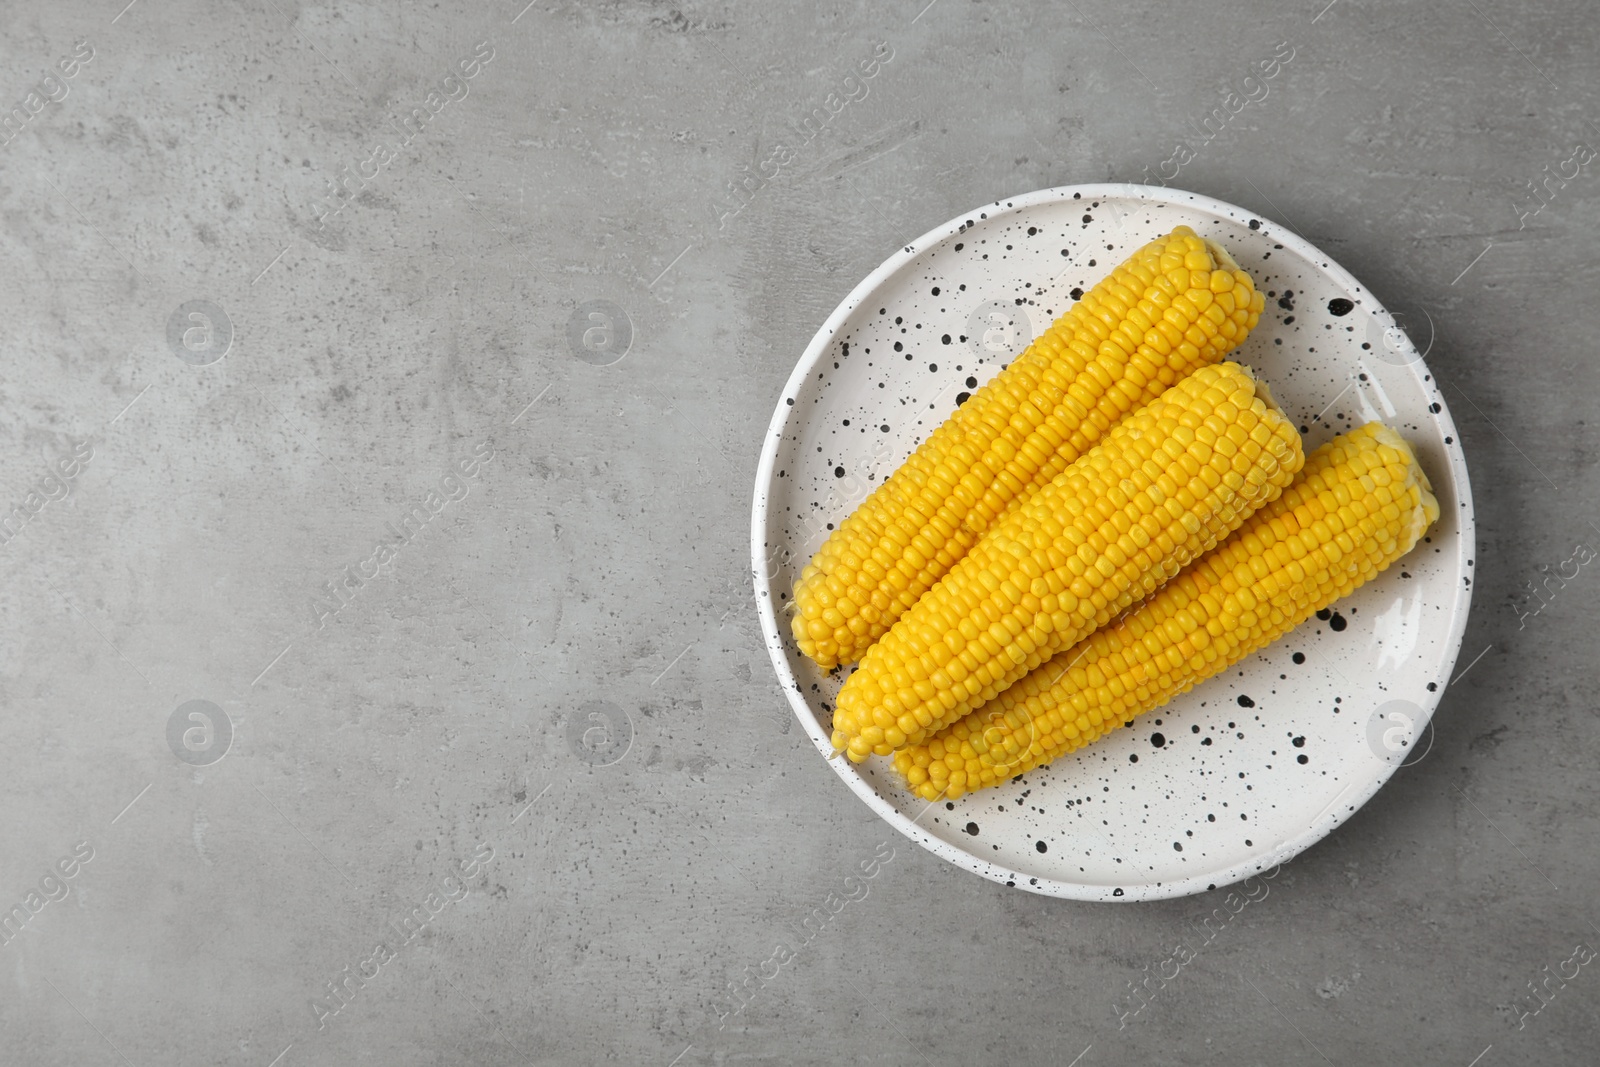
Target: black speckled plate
[(1244, 771)]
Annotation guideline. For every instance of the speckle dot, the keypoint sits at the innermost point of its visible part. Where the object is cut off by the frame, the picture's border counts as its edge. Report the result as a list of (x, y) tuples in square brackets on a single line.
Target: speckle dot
[(1246, 702), (1337, 623), (1299, 657), (838, 472), (1158, 740), (1340, 307), (1041, 846), (972, 828)]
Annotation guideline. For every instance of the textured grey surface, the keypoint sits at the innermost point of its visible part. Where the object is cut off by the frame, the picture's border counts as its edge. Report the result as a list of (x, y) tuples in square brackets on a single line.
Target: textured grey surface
[(557, 686)]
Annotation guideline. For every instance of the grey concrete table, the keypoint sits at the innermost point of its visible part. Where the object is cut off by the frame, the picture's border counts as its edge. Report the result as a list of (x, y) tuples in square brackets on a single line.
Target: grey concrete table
[(380, 678)]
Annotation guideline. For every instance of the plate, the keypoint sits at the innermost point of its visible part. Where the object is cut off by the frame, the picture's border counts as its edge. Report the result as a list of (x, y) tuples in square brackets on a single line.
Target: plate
[(1244, 771)]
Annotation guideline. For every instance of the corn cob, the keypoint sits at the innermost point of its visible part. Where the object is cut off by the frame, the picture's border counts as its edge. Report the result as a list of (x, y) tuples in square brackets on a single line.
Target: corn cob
[(1164, 486), (1360, 504), (1177, 304)]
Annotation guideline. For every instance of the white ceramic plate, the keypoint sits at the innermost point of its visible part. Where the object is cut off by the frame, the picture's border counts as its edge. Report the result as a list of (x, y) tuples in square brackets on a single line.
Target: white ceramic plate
[(1247, 769)]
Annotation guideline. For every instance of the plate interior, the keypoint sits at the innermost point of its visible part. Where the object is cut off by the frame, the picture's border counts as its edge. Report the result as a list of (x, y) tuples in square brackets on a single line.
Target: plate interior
[(1251, 766)]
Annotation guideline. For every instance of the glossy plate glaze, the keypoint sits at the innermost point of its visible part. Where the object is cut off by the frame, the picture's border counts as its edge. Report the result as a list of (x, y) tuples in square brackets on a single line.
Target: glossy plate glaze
[(1245, 770)]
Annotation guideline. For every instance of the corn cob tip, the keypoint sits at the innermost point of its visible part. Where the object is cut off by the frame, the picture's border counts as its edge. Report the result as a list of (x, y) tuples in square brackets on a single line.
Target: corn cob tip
[(1264, 391), (1219, 253), (1388, 435), (1428, 509)]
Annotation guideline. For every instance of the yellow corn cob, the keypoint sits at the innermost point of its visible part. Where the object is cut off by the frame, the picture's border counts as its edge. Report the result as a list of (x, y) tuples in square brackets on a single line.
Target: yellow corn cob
[(1360, 504), (1177, 304), (1165, 485)]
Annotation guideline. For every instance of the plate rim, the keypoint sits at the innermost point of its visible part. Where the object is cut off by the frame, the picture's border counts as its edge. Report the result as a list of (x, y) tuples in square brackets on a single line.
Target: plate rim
[(1271, 856)]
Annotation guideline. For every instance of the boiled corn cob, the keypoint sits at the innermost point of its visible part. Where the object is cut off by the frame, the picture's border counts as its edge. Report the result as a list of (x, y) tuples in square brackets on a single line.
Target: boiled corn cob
[(1360, 504), (1177, 304), (1163, 487)]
